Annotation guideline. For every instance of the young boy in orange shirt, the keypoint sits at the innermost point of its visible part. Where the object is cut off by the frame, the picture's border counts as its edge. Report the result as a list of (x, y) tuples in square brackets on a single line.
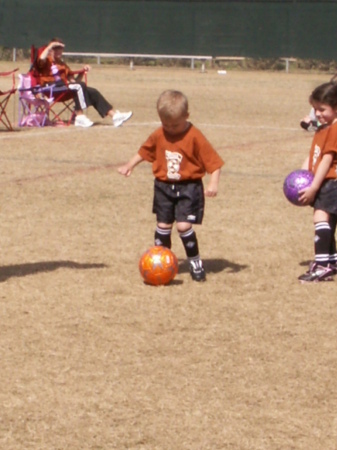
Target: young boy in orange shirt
[(322, 194), (180, 157)]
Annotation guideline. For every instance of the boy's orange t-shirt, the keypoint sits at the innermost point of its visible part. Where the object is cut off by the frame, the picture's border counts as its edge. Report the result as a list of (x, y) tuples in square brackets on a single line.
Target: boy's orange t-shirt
[(324, 141), (187, 156)]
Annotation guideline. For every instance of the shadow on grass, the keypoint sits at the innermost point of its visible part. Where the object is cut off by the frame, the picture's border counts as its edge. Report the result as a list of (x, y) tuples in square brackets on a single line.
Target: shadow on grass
[(211, 266), (22, 270), (305, 263), (214, 266)]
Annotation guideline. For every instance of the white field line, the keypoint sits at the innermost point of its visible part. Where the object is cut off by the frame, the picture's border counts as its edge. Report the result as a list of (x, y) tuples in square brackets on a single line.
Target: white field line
[(71, 129)]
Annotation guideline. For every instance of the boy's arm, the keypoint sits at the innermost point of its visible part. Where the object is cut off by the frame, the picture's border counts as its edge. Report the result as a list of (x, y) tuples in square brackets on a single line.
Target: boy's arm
[(127, 168), (305, 165), (307, 196), (212, 187)]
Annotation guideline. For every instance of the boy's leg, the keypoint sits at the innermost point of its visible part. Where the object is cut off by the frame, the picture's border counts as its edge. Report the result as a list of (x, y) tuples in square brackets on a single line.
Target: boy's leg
[(190, 243), (189, 207), (322, 243), (163, 207), (333, 250), (320, 269), (189, 211), (162, 235)]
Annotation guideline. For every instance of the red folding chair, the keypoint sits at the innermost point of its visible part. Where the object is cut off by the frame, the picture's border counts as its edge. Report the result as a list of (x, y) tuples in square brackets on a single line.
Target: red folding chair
[(5, 96), (60, 98)]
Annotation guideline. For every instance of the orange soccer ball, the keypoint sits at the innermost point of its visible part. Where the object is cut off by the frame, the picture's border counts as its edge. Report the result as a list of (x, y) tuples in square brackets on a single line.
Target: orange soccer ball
[(158, 265)]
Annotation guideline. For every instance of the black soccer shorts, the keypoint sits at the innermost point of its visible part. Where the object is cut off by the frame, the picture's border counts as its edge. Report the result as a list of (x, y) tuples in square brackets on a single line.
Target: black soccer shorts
[(326, 198), (183, 201)]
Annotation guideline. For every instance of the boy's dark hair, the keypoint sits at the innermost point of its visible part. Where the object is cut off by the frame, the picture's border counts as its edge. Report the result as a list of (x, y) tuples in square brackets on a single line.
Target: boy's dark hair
[(325, 93)]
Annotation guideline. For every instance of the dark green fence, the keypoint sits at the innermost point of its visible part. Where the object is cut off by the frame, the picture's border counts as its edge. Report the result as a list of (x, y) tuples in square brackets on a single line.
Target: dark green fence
[(257, 29)]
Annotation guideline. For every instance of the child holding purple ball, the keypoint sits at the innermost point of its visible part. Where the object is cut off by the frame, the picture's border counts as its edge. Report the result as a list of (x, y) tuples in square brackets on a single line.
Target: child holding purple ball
[(322, 194)]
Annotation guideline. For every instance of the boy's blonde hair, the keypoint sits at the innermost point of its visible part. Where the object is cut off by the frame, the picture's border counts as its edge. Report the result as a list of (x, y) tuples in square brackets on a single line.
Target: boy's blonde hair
[(172, 104)]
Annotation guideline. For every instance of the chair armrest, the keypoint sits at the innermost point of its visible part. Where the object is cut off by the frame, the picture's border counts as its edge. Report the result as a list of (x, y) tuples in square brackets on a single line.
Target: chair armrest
[(80, 73), (6, 74)]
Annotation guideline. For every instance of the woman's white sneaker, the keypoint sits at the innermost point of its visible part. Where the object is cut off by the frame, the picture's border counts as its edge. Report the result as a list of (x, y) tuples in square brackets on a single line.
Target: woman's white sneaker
[(120, 117), (82, 121)]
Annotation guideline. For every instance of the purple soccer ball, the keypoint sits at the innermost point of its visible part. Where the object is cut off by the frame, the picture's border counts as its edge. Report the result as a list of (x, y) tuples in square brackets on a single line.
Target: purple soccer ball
[(296, 181)]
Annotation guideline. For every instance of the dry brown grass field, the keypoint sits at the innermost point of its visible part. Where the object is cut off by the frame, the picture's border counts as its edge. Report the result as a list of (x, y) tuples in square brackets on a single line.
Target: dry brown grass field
[(91, 357)]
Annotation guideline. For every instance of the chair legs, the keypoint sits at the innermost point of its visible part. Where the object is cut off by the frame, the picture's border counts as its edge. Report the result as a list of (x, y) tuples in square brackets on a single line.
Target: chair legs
[(5, 96), (62, 112), (4, 119), (39, 113), (48, 105), (33, 113)]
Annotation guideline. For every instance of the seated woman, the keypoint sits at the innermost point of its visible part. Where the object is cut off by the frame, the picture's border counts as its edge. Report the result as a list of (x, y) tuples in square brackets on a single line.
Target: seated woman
[(52, 69)]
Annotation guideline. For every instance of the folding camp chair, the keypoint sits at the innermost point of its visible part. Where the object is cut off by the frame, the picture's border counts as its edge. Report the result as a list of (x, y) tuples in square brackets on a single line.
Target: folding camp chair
[(44, 105), (5, 96)]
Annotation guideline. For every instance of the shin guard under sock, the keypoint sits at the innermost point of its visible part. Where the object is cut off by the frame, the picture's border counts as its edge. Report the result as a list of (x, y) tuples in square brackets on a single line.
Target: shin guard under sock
[(322, 243), (333, 250), (162, 236), (190, 242)]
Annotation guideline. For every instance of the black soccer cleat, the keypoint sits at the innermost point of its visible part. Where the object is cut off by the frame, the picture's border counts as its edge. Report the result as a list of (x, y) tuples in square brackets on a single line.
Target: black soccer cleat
[(317, 273), (333, 267), (197, 271)]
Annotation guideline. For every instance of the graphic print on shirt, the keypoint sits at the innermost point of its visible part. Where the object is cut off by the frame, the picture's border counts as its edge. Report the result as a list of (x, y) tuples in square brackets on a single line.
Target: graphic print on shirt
[(55, 72), (173, 160), (317, 152)]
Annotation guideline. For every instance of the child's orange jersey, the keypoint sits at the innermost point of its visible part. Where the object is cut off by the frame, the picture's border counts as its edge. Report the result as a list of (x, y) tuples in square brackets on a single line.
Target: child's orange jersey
[(325, 141), (187, 156)]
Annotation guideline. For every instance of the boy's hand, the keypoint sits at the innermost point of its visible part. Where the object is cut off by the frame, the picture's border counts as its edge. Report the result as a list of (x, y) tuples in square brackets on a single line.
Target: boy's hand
[(210, 191), (124, 170), (127, 168), (212, 188), (307, 196)]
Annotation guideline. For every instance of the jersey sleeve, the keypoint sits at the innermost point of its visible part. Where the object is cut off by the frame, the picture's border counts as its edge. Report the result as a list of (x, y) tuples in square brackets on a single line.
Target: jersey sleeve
[(208, 156), (324, 142), (148, 149), (331, 142)]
